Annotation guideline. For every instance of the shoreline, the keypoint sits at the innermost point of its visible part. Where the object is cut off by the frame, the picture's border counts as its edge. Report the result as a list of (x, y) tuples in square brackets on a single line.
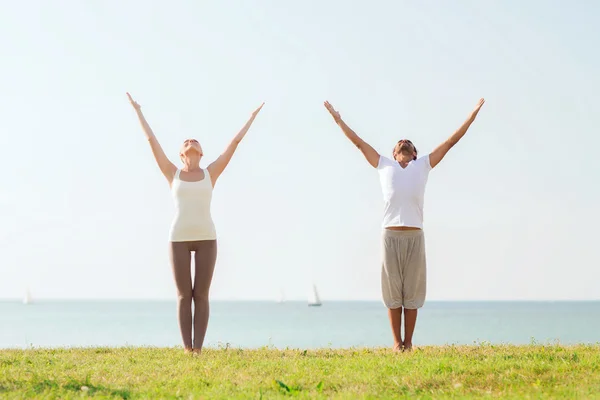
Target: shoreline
[(273, 348), (291, 301), (229, 347)]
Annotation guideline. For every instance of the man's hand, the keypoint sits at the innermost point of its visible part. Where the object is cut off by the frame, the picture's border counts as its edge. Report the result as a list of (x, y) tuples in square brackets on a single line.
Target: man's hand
[(255, 112), (336, 115), (477, 108), (133, 102)]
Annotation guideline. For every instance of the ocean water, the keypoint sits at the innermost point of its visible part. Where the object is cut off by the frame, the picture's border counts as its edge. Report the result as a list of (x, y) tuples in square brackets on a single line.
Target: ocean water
[(294, 324)]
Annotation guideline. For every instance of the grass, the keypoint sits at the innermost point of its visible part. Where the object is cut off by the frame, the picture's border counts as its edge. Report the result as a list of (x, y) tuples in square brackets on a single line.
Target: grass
[(534, 371)]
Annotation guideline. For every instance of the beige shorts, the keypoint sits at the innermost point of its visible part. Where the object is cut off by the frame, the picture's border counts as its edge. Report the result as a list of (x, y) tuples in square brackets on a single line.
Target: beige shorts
[(404, 270)]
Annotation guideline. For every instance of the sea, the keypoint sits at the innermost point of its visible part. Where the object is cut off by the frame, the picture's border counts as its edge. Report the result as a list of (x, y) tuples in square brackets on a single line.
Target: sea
[(342, 324)]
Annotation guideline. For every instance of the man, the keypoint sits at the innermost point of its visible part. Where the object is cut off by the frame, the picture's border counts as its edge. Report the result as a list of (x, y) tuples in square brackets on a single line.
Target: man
[(403, 181)]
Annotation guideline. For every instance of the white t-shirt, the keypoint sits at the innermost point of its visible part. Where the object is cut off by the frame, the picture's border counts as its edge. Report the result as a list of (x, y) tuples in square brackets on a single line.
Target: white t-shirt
[(403, 191)]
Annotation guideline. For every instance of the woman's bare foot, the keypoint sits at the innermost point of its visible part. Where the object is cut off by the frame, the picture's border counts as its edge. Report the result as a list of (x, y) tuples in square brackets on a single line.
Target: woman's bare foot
[(197, 351), (407, 346), (188, 350), (398, 347)]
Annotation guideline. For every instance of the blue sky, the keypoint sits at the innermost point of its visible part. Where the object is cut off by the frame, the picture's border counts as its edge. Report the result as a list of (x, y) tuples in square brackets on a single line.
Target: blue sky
[(511, 213)]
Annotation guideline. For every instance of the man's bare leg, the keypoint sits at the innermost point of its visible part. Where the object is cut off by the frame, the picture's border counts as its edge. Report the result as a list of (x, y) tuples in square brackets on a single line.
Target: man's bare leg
[(395, 316), (410, 320)]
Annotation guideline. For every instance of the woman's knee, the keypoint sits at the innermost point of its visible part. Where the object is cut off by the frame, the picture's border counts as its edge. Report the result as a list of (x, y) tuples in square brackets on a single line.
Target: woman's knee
[(200, 295), (184, 297)]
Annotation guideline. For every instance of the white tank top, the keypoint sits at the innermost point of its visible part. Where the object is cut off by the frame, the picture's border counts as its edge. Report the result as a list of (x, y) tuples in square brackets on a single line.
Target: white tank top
[(192, 220)]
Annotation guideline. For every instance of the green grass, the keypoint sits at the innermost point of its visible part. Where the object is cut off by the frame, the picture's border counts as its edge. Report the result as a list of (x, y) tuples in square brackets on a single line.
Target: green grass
[(534, 371)]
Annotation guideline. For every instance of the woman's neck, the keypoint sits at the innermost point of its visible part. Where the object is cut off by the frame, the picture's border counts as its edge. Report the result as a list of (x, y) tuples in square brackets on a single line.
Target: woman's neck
[(191, 165)]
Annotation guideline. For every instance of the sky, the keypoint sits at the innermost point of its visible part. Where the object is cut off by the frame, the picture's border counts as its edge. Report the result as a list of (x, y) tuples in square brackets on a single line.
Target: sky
[(511, 213)]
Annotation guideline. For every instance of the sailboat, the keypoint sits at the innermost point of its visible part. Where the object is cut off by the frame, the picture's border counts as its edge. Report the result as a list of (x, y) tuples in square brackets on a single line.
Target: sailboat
[(314, 300), (27, 298), (281, 297)]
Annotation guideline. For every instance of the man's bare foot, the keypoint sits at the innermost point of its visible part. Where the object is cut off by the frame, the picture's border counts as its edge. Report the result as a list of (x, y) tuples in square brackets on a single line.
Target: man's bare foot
[(398, 347), (188, 350), (407, 346), (197, 351)]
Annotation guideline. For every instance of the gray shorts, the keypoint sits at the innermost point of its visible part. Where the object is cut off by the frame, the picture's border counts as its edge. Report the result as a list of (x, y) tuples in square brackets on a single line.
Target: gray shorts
[(404, 270)]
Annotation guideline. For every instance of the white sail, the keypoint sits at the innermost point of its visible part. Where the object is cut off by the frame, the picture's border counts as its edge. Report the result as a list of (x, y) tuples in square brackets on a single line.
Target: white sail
[(314, 299), (27, 298), (281, 297)]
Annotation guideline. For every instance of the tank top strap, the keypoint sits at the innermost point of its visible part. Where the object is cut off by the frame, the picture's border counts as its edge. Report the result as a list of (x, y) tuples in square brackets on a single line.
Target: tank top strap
[(177, 173)]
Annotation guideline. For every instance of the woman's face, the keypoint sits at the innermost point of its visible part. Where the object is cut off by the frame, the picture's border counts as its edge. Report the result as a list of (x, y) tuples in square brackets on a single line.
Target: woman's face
[(191, 146)]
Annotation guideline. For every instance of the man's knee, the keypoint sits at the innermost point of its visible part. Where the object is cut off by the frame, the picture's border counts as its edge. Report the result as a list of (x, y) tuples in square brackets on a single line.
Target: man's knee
[(414, 304)]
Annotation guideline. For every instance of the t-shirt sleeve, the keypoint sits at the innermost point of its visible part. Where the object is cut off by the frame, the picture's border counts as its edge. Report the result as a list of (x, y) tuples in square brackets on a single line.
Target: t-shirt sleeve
[(424, 163), (384, 162)]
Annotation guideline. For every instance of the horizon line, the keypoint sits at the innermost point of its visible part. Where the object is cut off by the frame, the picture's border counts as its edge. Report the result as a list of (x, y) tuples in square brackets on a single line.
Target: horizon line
[(240, 300)]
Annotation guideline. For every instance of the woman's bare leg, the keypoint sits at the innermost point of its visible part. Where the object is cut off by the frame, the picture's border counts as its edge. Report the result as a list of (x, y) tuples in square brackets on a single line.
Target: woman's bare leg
[(181, 263), (205, 259)]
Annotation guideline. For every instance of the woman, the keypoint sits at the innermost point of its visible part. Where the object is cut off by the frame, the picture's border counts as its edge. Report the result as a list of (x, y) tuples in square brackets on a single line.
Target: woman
[(192, 229), (403, 180)]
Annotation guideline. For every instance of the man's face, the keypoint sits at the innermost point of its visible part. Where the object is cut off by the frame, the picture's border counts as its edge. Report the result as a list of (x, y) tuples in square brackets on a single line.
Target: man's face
[(405, 150)]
